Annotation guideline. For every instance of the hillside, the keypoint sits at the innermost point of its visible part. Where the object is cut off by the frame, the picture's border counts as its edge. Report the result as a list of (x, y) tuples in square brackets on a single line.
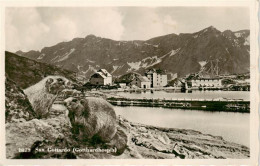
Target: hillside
[(26, 72), (182, 54)]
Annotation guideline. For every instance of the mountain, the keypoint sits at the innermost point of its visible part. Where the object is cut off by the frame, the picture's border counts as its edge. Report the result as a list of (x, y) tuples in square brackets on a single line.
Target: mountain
[(26, 72), (182, 54)]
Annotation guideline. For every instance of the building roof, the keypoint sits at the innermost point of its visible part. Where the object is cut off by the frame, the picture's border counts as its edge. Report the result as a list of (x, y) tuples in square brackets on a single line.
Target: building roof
[(158, 71), (101, 74), (143, 79), (206, 79), (105, 72)]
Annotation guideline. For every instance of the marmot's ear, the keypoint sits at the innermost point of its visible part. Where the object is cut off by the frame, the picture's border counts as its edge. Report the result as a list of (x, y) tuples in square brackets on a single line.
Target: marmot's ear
[(82, 101), (49, 81)]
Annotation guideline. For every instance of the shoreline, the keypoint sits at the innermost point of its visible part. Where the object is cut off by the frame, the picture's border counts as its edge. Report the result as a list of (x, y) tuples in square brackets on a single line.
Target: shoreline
[(205, 105), (147, 140)]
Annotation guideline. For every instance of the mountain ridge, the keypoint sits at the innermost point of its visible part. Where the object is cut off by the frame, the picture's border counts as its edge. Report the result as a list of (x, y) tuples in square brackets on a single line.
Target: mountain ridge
[(172, 53)]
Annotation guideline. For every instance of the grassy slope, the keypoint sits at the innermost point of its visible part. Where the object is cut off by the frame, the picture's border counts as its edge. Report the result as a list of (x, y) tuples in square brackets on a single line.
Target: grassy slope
[(25, 72)]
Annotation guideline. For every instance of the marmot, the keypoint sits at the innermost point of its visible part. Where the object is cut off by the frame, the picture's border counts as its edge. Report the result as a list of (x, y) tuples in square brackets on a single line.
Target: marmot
[(42, 94), (92, 118)]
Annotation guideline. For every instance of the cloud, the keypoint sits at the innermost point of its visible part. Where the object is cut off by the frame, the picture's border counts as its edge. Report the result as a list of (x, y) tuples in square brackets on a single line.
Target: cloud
[(35, 28), (23, 28), (145, 23)]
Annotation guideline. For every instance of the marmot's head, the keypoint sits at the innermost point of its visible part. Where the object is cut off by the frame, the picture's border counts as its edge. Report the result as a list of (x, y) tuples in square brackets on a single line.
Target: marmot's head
[(74, 105), (55, 84)]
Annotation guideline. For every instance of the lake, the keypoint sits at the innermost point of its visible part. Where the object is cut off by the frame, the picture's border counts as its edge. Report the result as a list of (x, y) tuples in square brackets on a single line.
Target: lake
[(233, 127), (196, 94)]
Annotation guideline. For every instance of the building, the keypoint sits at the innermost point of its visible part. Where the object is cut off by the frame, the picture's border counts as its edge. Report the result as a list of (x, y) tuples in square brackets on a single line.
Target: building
[(156, 78), (206, 82), (141, 82), (101, 77)]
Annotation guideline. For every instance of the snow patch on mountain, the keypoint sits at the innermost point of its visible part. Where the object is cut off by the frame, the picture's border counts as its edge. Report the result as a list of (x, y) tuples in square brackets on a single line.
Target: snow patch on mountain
[(136, 44), (66, 56), (173, 52), (227, 50), (156, 46), (41, 56), (78, 67), (238, 34), (195, 36), (90, 69), (202, 63), (114, 68), (134, 65), (87, 60), (155, 60), (247, 41)]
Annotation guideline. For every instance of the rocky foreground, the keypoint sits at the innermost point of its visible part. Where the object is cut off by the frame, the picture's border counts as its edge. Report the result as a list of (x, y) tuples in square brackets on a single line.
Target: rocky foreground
[(87, 128)]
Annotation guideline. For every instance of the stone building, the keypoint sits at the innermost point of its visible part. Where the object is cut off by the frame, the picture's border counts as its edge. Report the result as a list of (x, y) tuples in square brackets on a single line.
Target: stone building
[(156, 78), (141, 82), (101, 77)]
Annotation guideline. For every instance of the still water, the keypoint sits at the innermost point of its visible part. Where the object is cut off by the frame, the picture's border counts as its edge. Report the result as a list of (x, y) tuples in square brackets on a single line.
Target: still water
[(245, 95), (233, 127)]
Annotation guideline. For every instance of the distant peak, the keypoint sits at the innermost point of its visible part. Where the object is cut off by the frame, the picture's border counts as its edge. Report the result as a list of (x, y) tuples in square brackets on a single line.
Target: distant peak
[(211, 27), (90, 36), (20, 52)]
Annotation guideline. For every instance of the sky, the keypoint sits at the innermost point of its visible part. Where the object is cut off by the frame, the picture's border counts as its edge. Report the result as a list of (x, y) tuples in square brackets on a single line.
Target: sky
[(33, 28)]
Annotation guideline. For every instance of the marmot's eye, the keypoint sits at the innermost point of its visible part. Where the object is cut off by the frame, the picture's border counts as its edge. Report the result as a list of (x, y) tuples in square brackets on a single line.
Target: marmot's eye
[(59, 79)]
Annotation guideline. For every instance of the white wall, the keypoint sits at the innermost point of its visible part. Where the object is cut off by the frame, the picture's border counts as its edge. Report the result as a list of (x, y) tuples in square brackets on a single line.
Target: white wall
[(207, 83), (159, 80), (108, 81)]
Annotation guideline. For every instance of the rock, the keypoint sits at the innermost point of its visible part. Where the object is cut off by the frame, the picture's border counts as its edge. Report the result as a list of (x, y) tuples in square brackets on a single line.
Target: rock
[(17, 105), (92, 118), (23, 135), (170, 143), (44, 132), (43, 94), (163, 138)]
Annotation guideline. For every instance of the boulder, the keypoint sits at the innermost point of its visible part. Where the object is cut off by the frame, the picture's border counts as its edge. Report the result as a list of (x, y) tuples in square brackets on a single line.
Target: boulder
[(22, 138), (17, 105)]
